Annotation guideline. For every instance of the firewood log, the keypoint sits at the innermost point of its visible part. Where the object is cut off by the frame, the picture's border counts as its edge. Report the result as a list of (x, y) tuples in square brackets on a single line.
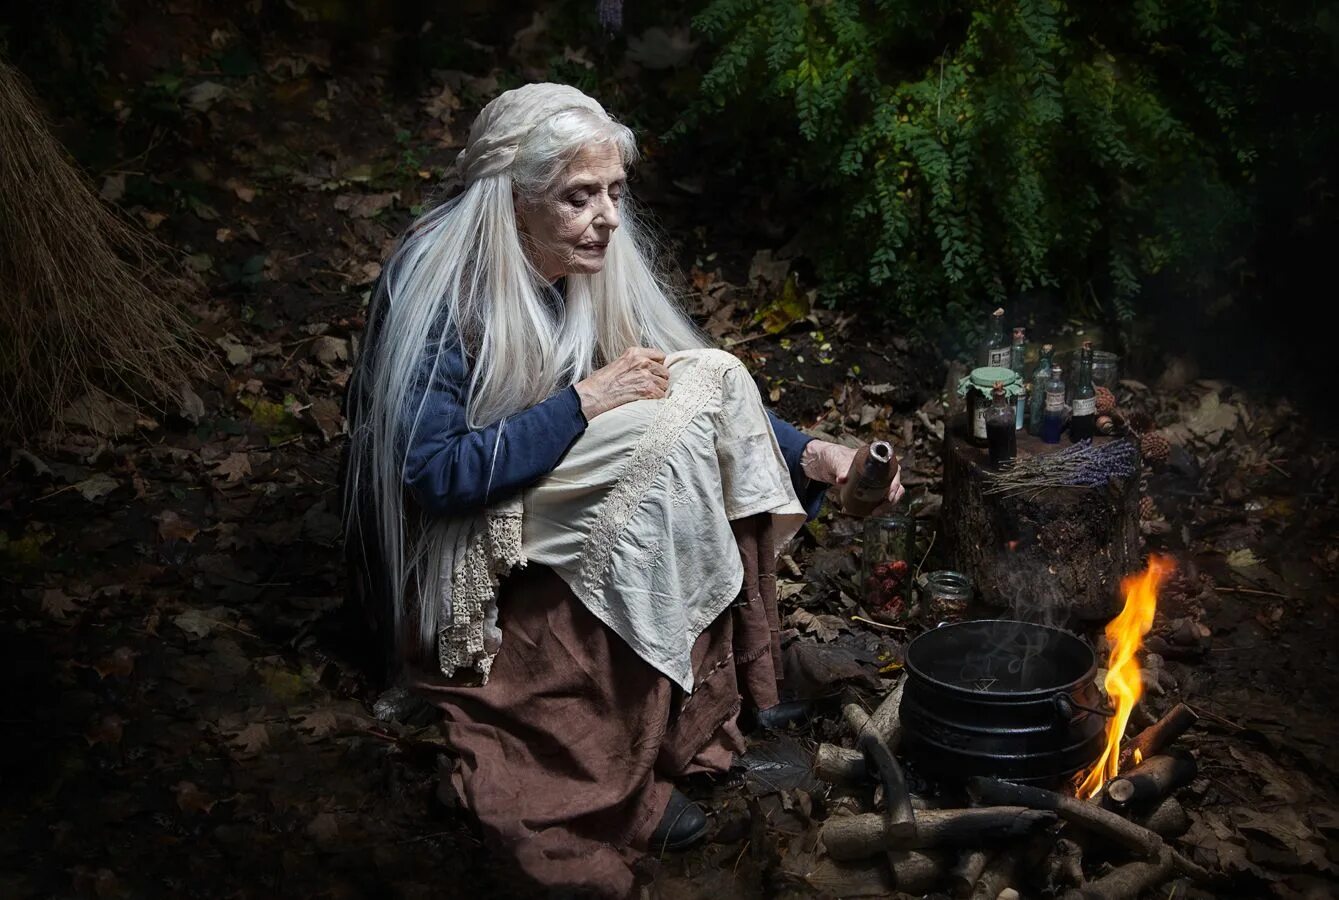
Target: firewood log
[(1160, 735), (838, 765), (967, 872), (915, 872), (1154, 778), (1087, 815), (854, 837), (1168, 819), (1129, 880)]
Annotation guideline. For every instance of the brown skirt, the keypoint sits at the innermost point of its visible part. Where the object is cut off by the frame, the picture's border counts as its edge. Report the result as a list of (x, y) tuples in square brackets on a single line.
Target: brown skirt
[(567, 754)]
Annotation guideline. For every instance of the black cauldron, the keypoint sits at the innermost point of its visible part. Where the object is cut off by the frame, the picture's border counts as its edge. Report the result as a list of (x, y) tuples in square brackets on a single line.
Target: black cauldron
[(1010, 699)]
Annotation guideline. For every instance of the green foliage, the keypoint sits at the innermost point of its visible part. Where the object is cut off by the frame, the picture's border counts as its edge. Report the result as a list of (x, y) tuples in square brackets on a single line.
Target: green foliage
[(953, 154)]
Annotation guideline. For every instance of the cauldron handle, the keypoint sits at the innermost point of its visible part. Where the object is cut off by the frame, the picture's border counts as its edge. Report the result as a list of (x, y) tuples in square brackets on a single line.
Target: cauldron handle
[(1065, 705)]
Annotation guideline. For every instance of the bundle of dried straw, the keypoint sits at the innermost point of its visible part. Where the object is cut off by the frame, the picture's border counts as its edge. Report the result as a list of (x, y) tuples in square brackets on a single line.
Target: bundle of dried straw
[(85, 305)]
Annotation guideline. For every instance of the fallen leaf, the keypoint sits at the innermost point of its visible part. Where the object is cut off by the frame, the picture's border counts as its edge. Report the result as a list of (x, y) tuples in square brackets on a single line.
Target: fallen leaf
[(204, 95), (365, 206), (321, 723), (99, 485), (191, 407), (238, 355), (326, 414), (235, 467), (172, 527), (1242, 559), (101, 414), (191, 799), (823, 626), (120, 662), (200, 262), (330, 350), (252, 739), (113, 187), (785, 311), (243, 193), (57, 604), (195, 623)]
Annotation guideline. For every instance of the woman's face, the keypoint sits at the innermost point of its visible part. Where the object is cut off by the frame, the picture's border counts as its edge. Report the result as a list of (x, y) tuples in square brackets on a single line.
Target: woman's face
[(567, 231)]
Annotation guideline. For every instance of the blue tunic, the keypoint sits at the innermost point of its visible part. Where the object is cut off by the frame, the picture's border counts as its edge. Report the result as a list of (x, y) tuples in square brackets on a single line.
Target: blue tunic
[(451, 470)]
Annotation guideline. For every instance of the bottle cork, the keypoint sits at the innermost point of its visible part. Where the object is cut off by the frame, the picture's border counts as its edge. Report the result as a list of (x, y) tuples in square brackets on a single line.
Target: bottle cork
[(872, 471)]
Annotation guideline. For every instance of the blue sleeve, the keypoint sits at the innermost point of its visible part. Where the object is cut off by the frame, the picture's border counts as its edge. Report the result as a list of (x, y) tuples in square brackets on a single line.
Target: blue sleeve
[(792, 442), (453, 470)]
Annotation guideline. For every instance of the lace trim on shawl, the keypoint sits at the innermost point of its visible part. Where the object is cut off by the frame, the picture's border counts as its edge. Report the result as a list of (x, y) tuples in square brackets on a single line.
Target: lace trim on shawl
[(492, 548), (693, 392)]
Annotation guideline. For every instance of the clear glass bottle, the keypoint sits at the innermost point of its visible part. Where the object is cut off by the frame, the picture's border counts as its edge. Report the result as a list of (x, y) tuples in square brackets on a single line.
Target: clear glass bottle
[(1053, 407), (1017, 351), (1001, 435), (1083, 419), (1040, 375), (995, 348), (885, 566)]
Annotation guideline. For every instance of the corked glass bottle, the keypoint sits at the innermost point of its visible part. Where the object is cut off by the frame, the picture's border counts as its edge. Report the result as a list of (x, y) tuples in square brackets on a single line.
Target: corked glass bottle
[(1083, 419), (995, 348), (1001, 435), (1040, 376), (1016, 354), (1053, 407)]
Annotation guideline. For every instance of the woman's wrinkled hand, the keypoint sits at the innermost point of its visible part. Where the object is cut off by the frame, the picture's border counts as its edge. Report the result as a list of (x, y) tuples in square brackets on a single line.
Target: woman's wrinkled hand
[(639, 374), (830, 463)]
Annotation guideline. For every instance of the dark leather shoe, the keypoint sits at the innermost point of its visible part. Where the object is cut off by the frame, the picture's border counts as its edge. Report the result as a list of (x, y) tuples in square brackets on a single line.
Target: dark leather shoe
[(777, 718), (683, 824)]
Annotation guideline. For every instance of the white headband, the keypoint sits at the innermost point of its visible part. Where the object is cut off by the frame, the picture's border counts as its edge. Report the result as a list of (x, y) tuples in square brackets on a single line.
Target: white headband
[(504, 122)]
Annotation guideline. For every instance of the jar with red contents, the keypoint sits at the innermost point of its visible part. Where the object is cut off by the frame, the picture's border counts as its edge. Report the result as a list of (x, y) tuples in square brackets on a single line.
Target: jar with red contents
[(886, 567)]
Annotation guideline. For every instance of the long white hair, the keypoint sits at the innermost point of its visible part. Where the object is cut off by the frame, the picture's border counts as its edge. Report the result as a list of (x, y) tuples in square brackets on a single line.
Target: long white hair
[(461, 277)]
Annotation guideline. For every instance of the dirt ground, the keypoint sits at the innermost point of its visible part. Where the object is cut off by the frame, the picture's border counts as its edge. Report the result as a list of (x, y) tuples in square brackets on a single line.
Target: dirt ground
[(188, 707)]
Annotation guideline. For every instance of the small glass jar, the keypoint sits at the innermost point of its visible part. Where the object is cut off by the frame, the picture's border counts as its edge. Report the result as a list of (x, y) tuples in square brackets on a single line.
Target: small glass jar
[(945, 596), (885, 566), (975, 390)]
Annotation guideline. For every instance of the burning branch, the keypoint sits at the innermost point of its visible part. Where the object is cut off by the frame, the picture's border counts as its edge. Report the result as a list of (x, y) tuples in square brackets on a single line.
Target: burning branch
[(1123, 684)]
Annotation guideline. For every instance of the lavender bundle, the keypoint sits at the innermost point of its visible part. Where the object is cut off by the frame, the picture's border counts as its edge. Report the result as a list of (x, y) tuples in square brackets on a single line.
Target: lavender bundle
[(1079, 465)]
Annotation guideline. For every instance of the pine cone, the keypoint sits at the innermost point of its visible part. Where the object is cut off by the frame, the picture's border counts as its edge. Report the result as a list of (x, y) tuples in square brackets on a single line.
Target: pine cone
[(1106, 401), (1154, 447), (1147, 509), (1140, 422)]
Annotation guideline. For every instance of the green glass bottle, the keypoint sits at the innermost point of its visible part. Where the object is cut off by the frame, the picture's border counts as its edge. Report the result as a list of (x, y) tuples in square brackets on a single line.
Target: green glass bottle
[(1017, 351), (1083, 419), (995, 349), (1040, 376)]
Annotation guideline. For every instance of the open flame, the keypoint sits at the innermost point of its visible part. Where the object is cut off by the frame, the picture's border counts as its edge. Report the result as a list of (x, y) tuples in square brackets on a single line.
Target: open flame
[(1125, 635)]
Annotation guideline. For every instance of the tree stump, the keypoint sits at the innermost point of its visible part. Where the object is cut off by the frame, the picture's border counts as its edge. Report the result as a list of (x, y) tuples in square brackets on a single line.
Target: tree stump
[(1055, 556)]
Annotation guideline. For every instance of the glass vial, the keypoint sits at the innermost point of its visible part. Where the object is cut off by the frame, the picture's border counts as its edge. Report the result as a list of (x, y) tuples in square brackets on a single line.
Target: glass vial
[(1038, 400), (1053, 407), (1083, 423), (1001, 435), (995, 348), (1016, 353)]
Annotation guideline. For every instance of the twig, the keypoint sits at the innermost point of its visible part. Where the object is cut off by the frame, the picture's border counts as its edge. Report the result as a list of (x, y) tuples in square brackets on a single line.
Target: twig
[(878, 624), (1237, 590), (934, 534)]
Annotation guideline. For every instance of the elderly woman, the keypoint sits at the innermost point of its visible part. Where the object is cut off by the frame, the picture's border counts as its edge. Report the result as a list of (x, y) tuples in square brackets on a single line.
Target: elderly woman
[(572, 505)]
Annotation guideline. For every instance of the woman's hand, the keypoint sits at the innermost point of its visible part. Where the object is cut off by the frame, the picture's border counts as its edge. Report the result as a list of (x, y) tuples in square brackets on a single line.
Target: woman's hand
[(830, 463), (639, 374)]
